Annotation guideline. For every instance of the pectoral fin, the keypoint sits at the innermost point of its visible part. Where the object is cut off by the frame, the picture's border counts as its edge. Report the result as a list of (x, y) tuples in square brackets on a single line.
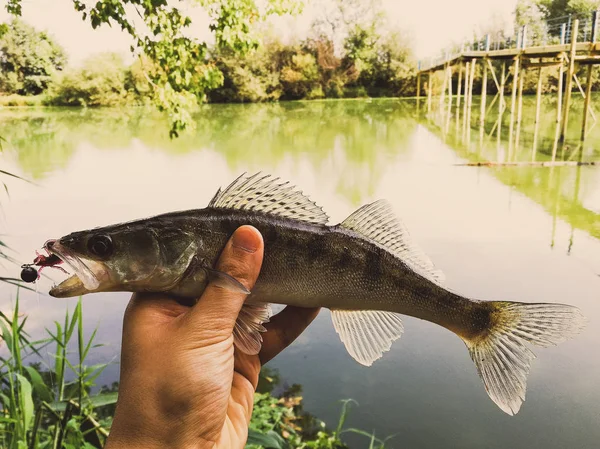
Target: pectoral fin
[(367, 334), (249, 325), (223, 280)]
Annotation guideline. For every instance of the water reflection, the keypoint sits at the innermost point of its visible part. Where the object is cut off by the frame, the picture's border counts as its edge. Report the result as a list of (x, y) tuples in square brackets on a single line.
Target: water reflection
[(566, 192), (356, 136)]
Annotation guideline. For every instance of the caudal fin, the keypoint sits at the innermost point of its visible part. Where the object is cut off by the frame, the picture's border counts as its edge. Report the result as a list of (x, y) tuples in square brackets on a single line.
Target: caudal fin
[(501, 354)]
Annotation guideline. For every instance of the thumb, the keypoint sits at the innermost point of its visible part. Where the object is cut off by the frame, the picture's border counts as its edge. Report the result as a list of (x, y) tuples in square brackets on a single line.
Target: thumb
[(218, 308)]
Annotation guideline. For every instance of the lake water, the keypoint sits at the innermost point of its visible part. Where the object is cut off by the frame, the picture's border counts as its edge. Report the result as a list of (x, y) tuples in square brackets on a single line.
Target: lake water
[(506, 233)]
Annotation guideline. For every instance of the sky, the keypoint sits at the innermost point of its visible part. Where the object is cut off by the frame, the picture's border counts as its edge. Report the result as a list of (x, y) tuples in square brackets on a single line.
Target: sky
[(431, 24)]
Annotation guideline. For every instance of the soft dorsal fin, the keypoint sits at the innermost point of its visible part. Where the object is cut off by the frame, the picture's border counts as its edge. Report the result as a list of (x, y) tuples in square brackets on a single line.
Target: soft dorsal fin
[(377, 222), (263, 193), (367, 334)]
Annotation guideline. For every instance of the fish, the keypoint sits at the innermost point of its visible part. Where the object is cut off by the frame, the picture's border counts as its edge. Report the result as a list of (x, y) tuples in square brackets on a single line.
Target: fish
[(366, 270)]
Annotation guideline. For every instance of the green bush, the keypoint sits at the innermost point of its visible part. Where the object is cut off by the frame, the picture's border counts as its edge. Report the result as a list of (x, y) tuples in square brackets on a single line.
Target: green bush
[(100, 82)]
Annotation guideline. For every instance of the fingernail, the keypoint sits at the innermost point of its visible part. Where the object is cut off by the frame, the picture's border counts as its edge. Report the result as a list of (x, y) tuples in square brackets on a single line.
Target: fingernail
[(245, 239)]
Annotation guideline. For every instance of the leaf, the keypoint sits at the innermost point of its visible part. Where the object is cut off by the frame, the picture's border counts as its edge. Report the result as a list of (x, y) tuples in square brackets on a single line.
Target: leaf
[(26, 400), (100, 400), (6, 336), (40, 388), (269, 440), (15, 176), (58, 406)]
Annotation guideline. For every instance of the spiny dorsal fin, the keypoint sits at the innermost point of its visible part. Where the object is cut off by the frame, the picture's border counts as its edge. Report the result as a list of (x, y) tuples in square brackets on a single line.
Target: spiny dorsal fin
[(263, 193), (367, 334), (377, 222)]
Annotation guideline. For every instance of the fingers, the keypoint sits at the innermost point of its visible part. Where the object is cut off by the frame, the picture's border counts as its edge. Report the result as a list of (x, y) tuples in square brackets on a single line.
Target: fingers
[(284, 328), (241, 259)]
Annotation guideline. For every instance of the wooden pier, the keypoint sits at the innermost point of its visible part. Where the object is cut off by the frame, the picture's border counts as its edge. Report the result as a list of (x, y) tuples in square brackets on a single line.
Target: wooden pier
[(567, 48)]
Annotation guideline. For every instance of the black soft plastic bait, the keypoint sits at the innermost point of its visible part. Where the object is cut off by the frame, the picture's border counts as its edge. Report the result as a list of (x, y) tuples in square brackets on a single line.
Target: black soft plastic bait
[(29, 273)]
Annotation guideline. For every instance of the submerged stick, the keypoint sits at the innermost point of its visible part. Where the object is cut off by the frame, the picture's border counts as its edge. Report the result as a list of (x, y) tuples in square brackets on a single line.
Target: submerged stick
[(530, 164)]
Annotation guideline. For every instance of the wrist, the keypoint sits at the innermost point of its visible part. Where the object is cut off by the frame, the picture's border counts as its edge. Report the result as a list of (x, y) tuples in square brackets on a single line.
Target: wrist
[(135, 434), (134, 440)]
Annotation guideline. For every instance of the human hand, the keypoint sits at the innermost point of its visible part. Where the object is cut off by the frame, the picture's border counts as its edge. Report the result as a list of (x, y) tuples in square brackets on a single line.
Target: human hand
[(183, 383)]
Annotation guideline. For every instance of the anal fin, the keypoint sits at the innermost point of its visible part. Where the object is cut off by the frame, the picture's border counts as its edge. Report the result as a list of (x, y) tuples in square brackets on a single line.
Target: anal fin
[(367, 334), (249, 325)]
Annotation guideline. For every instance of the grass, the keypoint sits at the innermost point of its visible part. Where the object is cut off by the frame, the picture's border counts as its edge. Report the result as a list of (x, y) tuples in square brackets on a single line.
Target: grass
[(51, 405)]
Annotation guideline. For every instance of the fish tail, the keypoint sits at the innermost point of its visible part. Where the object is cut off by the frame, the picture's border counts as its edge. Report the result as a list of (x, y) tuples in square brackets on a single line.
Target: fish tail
[(501, 354)]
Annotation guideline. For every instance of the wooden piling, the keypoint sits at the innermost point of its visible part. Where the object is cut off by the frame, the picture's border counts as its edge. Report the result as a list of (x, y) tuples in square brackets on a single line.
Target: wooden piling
[(458, 87), (519, 112), (513, 104), (466, 95), (450, 100), (558, 105), (429, 88), (538, 101), (483, 98), (501, 102), (470, 99), (586, 106), (443, 92), (569, 81)]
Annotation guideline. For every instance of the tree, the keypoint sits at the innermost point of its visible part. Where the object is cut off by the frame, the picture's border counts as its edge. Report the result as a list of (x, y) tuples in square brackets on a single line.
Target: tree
[(252, 78), (339, 18), (28, 59), (561, 8), (532, 14), (182, 72)]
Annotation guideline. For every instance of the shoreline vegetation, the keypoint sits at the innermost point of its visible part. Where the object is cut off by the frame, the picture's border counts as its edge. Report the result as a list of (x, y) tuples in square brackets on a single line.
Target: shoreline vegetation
[(50, 398)]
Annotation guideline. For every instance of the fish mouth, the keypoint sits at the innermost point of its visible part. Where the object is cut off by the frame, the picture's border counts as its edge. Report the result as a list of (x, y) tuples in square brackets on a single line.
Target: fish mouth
[(86, 277)]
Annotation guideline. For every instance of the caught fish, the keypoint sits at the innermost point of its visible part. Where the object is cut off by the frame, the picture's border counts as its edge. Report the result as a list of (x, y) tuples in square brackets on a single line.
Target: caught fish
[(366, 270)]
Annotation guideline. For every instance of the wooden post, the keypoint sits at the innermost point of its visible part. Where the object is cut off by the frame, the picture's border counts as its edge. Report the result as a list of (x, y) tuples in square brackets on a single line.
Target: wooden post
[(429, 88), (586, 106), (460, 68), (559, 100), (466, 95), (569, 83), (483, 96), (449, 111), (519, 112), (501, 102), (538, 101), (513, 103), (470, 96), (443, 92), (418, 94)]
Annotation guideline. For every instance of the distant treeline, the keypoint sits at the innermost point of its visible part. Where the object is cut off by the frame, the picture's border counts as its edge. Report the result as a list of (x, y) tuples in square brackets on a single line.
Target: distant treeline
[(373, 65)]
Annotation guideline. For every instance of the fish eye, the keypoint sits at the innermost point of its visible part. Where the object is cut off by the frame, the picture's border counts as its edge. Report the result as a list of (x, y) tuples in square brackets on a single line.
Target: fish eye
[(100, 245)]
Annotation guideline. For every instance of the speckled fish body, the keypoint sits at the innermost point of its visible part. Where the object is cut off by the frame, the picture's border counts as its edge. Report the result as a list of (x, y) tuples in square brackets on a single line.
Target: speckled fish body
[(366, 270)]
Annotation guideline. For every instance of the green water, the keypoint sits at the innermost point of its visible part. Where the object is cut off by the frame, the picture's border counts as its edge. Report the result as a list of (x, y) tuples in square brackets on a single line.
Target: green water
[(511, 233)]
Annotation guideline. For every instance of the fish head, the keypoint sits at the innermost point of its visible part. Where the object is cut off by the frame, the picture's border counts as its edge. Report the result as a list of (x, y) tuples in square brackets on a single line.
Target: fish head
[(130, 257)]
